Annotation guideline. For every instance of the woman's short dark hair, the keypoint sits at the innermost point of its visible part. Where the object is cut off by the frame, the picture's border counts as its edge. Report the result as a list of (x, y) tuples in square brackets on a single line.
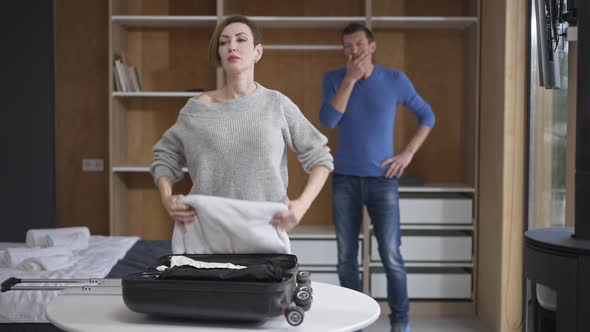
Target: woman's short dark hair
[(356, 27), (214, 42)]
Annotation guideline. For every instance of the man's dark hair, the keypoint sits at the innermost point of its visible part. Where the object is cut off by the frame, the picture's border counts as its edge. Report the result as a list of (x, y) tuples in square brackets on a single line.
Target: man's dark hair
[(356, 27)]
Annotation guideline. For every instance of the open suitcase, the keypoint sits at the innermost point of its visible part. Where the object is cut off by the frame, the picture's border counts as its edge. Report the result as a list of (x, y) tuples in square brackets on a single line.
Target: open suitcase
[(271, 285), (214, 294)]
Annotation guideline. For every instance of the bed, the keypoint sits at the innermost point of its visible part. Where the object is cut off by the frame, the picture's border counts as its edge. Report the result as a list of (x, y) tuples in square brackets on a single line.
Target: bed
[(106, 257)]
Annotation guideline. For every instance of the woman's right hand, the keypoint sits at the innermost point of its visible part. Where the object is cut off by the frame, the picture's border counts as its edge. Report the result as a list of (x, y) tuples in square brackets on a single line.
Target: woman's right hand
[(180, 213)]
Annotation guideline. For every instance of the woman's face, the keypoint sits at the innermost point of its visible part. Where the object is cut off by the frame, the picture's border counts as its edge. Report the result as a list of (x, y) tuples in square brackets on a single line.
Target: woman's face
[(236, 48)]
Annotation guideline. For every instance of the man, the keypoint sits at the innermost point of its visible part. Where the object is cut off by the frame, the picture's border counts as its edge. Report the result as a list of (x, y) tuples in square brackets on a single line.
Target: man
[(362, 101)]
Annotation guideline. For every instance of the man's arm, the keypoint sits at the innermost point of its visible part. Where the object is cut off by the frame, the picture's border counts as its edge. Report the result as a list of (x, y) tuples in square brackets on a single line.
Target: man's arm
[(355, 70), (399, 162), (340, 100)]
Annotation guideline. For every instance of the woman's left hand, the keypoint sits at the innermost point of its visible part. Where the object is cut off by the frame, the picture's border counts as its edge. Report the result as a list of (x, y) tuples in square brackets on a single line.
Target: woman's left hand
[(290, 219)]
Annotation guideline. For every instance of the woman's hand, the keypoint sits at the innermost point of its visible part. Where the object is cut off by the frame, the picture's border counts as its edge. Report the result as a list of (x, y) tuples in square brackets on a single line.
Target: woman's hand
[(290, 219), (180, 213)]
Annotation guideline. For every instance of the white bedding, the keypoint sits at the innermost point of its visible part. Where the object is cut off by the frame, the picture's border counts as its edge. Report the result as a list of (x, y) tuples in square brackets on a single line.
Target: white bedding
[(94, 262)]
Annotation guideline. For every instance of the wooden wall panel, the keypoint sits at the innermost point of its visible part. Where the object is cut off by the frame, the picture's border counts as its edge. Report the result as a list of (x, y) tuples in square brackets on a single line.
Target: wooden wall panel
[(166, 7), (145, 213), (493, 32), (147, 120), (501, 164), (172, 59), (81, 112)]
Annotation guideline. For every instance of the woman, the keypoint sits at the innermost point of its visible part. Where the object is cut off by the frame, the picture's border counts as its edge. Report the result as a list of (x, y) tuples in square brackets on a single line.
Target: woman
[(233, 140)]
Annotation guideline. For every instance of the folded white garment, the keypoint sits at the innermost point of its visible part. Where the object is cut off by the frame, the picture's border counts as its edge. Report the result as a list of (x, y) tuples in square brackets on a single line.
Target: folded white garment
[(228, 226), (38, 237), (74, 241), (47, 263), (14, 256), (183, 261)]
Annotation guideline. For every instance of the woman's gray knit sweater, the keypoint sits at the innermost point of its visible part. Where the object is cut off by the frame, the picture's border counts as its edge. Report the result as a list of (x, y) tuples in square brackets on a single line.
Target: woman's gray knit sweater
[(238, 148)]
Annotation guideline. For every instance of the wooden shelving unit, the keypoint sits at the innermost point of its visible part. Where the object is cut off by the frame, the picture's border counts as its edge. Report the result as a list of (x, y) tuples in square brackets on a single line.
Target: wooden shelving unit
[(436, 43)]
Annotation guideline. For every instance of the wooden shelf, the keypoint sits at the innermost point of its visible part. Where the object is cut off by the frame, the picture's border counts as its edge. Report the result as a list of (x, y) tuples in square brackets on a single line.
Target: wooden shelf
[(305, 22), (135, 169), (443, 188), (422, 22), (303, 47), (301, 22), (162, 21), (155, 94)]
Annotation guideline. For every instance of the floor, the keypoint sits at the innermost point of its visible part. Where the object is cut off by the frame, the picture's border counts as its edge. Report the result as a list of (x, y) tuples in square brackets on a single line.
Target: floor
[(434, 324)]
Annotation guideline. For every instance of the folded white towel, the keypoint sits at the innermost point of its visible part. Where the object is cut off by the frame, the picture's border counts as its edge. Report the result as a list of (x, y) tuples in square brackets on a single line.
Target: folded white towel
[(74, 241), (38, 237), (15, 256), (46, 263), (183, 260), (226, 225)]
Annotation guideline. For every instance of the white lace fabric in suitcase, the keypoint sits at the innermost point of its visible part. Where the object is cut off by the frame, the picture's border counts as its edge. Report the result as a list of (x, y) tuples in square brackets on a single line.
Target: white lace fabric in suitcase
[(230, 226), (184, 261)]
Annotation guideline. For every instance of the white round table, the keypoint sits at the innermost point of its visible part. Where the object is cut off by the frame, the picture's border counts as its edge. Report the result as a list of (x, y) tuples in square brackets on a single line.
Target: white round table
[(334, 309)]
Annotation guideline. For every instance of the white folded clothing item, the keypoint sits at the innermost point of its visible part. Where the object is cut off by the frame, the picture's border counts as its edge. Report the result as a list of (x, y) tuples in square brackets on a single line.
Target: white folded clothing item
[(47, 263), (15, 256), (74, 241), (38, 237), (184, 261), (230, 226)]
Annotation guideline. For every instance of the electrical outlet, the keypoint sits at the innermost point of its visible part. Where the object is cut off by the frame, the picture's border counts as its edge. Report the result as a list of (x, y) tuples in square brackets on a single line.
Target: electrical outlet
[(92, 165)]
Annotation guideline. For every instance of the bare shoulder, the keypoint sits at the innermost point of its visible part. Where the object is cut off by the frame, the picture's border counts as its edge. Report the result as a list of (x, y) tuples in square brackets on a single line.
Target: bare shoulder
[(214, 96), (205, 97)]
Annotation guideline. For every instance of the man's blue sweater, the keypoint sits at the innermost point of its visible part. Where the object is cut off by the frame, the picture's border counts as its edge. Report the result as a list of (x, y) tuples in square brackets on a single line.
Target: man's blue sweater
[(365, 130)]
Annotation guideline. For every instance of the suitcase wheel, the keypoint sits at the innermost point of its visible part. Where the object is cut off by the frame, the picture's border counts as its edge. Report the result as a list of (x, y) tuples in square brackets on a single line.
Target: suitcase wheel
[(303, 299), (304, 288), (304, 277), (294, 315)]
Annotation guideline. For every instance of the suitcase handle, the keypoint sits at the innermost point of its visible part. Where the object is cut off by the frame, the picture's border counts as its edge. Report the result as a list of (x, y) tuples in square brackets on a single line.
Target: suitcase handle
[(9, 283)]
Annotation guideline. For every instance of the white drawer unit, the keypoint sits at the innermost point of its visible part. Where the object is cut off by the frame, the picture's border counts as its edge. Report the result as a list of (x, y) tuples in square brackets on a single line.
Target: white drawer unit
[(325, 277), (430, 285), (318, 252), (431, 248), (436, 210)]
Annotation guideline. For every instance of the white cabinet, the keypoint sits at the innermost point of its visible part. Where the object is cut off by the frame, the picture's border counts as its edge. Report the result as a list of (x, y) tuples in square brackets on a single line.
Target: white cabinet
[(318, 251), (436, 210), (441, 247), (437, 247), (433, 285)]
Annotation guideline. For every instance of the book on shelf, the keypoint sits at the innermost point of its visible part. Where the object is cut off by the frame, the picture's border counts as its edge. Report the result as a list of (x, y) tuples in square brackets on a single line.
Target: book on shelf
[(125, 75)]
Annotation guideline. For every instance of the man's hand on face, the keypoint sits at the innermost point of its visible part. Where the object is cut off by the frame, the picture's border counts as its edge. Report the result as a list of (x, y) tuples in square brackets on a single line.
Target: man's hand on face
[(358, 67)]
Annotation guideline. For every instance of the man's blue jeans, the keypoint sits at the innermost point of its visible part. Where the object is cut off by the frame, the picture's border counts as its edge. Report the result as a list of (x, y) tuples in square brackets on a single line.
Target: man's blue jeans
[(381, 197)]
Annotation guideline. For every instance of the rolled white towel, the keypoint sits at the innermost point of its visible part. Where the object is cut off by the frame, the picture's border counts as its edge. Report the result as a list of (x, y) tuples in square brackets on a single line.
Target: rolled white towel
[(46, 263), (15, 256), (38, 237), (74, 241)]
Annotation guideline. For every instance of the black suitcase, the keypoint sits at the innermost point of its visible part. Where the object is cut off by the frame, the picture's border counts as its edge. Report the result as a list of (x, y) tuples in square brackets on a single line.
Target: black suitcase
[(271, 285)]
